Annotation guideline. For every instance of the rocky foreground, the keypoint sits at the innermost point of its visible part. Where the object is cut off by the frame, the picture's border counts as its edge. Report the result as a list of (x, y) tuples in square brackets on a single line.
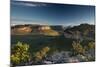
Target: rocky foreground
[(65, 57)]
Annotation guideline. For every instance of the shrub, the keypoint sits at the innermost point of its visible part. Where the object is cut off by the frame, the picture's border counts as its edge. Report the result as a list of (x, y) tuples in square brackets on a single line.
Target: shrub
[(91, 45), (77, 48), (20, 53), (41, 54)]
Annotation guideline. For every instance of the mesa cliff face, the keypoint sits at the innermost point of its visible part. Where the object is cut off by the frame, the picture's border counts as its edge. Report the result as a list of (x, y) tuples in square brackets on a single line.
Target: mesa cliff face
[(33, 29), (21, 30)]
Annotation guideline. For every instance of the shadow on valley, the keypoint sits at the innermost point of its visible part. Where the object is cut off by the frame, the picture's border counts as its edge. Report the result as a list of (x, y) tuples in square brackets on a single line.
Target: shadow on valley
[(37, 42)]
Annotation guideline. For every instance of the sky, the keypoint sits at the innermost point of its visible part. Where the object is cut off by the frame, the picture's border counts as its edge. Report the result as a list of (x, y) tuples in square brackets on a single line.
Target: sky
[(51, 13)]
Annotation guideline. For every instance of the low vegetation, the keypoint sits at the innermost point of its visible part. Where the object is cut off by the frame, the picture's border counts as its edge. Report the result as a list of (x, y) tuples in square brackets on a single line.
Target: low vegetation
[(41, 54), (21, 55)]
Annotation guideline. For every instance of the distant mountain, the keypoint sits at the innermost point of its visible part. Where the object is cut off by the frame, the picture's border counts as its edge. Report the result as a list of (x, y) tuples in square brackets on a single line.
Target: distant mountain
[(82, 27), (36, 29), (80, 31)]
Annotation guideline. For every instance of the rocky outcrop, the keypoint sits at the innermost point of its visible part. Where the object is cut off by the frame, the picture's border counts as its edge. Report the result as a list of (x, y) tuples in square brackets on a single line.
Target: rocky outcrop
[(33, 29), (21, 30)]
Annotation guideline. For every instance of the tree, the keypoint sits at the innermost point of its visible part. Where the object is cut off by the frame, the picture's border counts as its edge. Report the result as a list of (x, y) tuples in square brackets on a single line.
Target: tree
[(78, 48), (91, 45), (20, 53), (90, 52), (41, 54)]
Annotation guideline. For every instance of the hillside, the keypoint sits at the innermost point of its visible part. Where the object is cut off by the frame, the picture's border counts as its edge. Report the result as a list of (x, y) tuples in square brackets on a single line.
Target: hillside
[(80, 31), (35, 29)]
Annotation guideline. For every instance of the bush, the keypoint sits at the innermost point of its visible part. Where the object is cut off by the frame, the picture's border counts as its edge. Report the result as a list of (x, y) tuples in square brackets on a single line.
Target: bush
[(41, 54), (91, 45), (77, 48), (87, 51), (20, 53)]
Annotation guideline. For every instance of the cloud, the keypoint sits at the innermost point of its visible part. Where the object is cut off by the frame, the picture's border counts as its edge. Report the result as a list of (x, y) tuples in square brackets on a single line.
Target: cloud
[(30, 4), (17, 21)]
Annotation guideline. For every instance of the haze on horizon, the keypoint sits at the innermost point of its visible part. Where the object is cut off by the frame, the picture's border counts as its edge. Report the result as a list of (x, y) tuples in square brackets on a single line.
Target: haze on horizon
[(51, 14)]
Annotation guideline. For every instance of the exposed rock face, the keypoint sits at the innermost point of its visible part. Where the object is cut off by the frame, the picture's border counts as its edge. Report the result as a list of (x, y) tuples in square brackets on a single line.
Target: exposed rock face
[(33, 29), (24, 29), (65, 57), (21, 30), (41, 28)]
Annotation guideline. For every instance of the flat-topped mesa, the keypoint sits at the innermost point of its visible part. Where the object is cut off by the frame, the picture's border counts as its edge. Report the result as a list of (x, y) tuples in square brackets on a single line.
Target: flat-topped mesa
[(35, 29), (25, 29), (44, 27), (21, 30)]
